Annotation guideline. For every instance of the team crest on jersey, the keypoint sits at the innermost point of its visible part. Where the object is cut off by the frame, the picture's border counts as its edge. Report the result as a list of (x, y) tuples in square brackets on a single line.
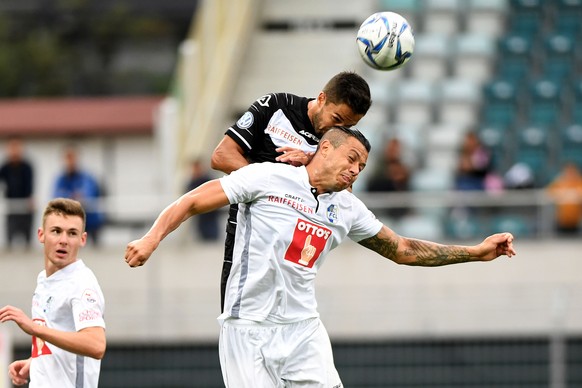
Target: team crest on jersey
[(308, 242), (90, 296), (245, 121), (332, 213), (47, 305)]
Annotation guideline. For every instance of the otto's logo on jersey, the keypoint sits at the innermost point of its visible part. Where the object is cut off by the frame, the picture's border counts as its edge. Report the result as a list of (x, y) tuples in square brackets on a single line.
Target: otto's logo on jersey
[(308, 242), (331, 213), (245, 121), (39, 347)]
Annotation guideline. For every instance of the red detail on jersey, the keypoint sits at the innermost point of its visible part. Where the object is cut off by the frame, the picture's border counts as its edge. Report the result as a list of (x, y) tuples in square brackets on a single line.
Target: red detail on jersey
[(39, 347), (308, 242), (89, 315)]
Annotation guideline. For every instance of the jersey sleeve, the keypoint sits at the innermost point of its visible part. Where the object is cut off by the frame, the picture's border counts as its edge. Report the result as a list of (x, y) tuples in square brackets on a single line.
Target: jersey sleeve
[(365, 224), (247, 183), (88, 305), (251, 125)]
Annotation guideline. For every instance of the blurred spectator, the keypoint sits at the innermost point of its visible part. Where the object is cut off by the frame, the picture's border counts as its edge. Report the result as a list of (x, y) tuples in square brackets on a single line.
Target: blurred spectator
[(519, 176), (566, 190), (82, 186), (391, 175), (474, 164), (17, 175), (205, 225)]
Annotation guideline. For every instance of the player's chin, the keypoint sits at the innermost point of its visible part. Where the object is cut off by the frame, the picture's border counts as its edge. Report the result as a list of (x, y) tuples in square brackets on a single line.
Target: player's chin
[(344, 186)]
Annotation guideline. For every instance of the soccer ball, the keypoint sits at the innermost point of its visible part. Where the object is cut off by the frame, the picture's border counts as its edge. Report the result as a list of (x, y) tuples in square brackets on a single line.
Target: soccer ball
[(385, 41)]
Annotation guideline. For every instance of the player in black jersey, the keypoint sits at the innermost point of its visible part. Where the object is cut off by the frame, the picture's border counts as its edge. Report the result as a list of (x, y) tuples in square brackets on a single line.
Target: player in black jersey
[(282, 127)]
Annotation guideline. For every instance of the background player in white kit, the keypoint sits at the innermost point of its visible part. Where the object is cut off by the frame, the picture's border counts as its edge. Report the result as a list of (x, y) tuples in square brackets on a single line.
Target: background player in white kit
[(289, 219), (67, 326)]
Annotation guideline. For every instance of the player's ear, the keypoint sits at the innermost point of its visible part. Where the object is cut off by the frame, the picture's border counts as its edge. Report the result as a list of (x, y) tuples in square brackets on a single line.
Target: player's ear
[(321, 98), (324, 146), (83, 239)]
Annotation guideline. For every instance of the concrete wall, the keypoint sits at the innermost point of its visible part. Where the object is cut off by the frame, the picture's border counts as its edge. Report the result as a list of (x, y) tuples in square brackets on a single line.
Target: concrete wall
[(175, 296)]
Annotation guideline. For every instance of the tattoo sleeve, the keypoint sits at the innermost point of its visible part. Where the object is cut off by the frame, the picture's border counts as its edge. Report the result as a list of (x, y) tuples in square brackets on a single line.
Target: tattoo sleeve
[(417, 252)]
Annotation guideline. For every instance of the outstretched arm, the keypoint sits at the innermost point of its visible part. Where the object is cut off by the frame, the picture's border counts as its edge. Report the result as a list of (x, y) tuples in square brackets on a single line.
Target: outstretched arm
[(206, 197), (409, 251), (88, 342)]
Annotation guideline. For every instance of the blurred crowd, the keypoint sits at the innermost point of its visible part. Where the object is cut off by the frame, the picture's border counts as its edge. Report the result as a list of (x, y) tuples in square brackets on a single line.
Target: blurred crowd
[(392, 171), (476, 171)]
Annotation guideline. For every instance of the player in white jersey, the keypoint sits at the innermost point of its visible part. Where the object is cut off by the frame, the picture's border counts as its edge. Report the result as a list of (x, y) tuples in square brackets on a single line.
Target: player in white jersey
[(289, 219), (67, 325), (286, 128)]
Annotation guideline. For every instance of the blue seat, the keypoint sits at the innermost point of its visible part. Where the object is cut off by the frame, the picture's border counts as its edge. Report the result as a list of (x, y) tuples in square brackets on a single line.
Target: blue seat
[(559, 44), (576, 113), (533, 137), (571, 137), (544, 113), (464, 228), (496, 138), (495, 135), (540, 164), (535, 150), (501, 90), (558, 56), (518, 225), (567, 22), (571, 144), (569, 7), (558, 69), (577, 90), (545, 106), (526, 24), (526, 17), (513, 68), (546, 90), (499, 113), (527, 5), (515, 46)]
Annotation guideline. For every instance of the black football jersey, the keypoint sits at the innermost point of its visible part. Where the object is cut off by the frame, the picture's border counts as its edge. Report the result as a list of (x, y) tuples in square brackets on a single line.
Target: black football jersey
[(274, 120)]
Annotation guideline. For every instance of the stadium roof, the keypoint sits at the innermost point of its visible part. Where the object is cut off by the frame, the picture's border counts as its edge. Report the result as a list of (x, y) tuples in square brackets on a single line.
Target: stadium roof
[(78, 116)]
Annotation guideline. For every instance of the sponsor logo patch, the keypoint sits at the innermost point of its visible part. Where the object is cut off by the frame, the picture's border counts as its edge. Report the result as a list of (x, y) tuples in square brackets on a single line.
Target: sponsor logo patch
[(246, 120), (308, 242)]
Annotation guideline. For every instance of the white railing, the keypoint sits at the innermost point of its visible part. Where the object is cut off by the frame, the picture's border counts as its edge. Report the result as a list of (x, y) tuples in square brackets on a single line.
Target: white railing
[(135, 213)]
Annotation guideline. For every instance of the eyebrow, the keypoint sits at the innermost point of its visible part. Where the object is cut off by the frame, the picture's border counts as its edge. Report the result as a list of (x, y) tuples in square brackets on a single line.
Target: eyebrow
[(61, 228), (359, 156)]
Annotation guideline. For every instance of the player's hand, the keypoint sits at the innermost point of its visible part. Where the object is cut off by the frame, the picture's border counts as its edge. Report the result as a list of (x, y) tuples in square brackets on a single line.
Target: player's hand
[(19, 371), (294, 156), (307, 252), (496, 245), (16, 315), (139, 251)]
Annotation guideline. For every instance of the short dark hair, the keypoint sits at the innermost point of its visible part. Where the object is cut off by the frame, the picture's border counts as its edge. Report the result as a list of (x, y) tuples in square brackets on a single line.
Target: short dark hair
[(64, 207), (337, 135), (351, 89)]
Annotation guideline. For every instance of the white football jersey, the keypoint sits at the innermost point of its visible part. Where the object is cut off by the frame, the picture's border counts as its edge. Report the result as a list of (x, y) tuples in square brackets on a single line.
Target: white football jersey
[(283, 235), (68, 300)]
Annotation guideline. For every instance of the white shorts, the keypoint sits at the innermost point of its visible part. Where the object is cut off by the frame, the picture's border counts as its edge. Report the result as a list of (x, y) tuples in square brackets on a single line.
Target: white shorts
[(270, 355)]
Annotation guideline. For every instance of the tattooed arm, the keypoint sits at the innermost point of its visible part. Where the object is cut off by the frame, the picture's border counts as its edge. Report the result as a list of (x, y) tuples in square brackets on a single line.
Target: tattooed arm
[(410, 251)]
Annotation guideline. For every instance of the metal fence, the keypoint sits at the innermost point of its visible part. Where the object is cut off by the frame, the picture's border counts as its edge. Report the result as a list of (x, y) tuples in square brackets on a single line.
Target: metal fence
[(477, 362)]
